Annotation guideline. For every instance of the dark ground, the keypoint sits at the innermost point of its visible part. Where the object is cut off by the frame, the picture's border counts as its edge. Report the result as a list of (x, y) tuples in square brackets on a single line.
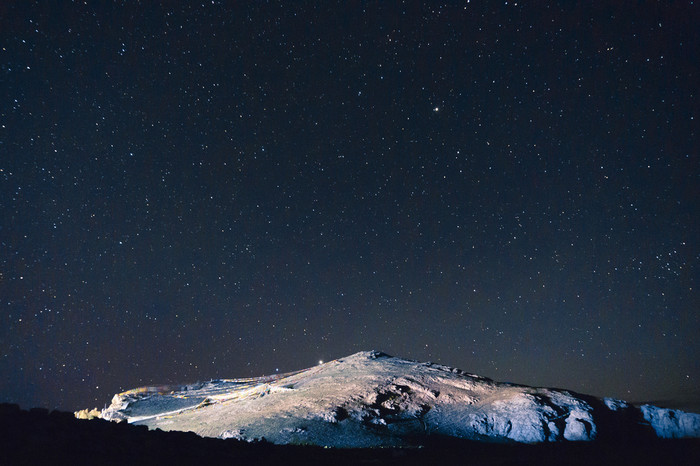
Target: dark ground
[(38, 436)]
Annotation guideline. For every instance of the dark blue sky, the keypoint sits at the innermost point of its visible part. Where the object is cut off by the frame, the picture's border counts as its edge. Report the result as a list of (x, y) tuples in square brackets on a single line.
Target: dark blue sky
[(216, 190)]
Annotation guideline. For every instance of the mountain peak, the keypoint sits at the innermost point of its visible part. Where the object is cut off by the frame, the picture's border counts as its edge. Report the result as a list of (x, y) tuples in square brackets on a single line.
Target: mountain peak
[(374, 354), (373, 399)]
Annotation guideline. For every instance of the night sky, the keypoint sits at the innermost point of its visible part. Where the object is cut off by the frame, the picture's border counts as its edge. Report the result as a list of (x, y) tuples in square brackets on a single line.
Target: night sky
[(220, 190)]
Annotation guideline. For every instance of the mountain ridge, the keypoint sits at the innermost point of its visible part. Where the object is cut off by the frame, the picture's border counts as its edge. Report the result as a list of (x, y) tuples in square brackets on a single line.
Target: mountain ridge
[(371, 399)]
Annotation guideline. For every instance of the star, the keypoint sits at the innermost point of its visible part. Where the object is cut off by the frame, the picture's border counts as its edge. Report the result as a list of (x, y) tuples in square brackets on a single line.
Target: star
[(258, 203)]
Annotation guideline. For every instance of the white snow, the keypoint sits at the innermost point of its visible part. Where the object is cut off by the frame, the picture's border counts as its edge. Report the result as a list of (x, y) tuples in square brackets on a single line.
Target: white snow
[(671, 423), (372, 399), (615, 405)]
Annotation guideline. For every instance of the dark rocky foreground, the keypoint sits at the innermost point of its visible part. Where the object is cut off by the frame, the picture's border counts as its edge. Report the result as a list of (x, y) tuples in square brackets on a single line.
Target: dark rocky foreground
[(38, 436)]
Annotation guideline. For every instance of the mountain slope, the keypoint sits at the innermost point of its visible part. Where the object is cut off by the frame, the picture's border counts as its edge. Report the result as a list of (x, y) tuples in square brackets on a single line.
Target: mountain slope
[(372, 399)]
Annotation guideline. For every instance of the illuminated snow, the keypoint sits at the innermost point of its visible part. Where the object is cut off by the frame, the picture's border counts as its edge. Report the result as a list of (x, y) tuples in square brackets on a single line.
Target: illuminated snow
[(372, 399)]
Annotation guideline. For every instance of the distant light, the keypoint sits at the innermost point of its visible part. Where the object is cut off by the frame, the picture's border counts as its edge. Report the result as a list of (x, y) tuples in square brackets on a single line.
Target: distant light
[(436, 109), (320, 361)]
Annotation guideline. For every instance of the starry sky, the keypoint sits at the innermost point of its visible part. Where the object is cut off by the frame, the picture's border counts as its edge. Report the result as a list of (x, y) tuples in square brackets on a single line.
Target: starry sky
[(217, 190)]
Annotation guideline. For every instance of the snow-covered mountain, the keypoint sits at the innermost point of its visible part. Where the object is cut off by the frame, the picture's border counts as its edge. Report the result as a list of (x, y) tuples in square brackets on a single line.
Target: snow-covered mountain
[(372, 399)]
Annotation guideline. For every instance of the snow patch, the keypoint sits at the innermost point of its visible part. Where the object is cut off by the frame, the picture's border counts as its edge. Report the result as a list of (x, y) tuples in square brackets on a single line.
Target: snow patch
[(615, 405), (671, 423)]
